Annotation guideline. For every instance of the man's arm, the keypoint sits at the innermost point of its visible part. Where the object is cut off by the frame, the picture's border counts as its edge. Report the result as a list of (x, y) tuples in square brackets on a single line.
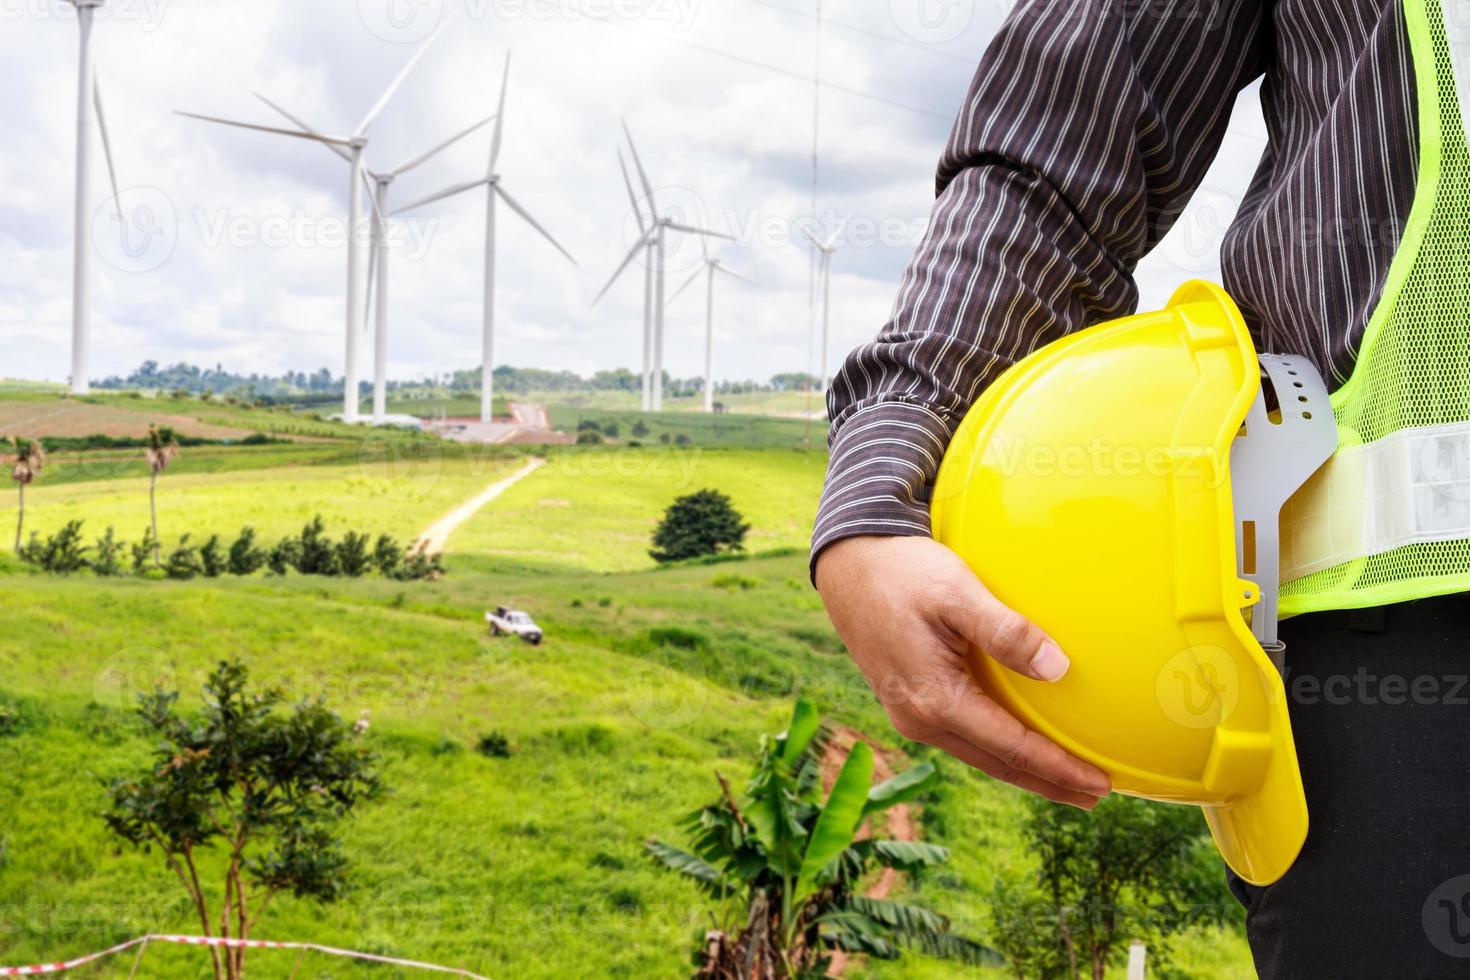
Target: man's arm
[(1085, 131)]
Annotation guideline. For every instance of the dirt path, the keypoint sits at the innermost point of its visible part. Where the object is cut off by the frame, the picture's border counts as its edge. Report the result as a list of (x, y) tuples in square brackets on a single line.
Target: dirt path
[(900, 823), (434, 539)]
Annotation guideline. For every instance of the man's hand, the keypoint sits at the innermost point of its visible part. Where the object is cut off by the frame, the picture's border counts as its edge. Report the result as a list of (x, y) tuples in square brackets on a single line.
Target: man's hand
[(908, 609)]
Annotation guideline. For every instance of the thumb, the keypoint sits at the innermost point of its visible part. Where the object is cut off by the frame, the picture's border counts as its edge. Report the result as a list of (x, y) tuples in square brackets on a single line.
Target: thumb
[(1001, 633)]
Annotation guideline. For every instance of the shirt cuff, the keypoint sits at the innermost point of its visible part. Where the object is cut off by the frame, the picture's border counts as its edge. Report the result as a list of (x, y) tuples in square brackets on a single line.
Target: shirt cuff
[(884, 459)]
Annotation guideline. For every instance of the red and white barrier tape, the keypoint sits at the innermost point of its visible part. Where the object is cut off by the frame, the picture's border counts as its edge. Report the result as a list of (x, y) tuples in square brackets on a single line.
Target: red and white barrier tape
[(41, 969)]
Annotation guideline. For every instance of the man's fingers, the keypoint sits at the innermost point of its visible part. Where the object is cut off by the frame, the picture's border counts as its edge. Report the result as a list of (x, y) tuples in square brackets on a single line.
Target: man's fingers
[(1002, 633), (986, 725), (991, 766)]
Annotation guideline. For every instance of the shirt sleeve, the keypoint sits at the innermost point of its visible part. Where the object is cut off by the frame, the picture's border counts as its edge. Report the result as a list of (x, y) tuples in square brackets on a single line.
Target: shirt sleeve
[(1085, 131)]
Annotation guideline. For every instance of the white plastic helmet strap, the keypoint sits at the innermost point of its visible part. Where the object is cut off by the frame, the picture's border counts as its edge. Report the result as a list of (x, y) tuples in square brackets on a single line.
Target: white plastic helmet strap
[(1410, 487)]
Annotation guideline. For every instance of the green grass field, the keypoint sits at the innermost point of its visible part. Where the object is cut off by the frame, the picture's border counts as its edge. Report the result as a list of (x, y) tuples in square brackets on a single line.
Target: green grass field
[(526, 867)]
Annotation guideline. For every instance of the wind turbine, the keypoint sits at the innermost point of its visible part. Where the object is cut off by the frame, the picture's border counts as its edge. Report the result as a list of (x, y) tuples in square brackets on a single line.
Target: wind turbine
[(708, 268), (89, 99), (827, 247), (494, 192), (378, 185), (655, 240), (354, 146)]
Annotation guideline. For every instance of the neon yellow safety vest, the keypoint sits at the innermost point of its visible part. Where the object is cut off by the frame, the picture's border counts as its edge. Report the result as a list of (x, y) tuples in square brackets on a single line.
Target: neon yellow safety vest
[(1388, 519)]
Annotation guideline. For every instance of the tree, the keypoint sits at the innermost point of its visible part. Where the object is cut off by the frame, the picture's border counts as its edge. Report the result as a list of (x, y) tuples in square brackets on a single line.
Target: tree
[(1130, 869), (161, 449), (785, 865), (697, 525), (29, 460), (267, 786)]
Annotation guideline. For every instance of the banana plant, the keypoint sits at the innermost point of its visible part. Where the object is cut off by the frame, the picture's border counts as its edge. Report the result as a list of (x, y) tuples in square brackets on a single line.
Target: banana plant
[(787, 863)]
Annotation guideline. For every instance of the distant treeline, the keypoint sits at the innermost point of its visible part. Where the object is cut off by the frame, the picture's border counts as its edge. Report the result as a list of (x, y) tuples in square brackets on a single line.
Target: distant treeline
[(321, 387)]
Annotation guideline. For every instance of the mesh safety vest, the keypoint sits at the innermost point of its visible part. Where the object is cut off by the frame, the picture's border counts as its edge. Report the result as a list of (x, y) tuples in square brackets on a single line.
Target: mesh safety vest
[(1388, 519)]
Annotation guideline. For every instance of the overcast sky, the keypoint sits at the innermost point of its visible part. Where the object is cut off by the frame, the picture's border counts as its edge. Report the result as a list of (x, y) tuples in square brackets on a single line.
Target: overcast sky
[(234, 252)]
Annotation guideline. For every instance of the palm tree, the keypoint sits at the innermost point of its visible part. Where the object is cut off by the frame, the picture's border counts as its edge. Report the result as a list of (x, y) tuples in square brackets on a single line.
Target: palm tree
[(162, 448), (785, 866), (29, 459)]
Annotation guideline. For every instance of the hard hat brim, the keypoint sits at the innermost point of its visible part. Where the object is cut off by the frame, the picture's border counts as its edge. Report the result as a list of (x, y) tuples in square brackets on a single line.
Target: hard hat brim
[(1261, 835)]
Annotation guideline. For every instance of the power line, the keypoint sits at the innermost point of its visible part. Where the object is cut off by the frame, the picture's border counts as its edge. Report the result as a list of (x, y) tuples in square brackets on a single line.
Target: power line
[(777, 70)]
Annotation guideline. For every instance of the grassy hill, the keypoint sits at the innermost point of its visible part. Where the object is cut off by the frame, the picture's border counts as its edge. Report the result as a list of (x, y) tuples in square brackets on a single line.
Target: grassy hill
[(525, 867)]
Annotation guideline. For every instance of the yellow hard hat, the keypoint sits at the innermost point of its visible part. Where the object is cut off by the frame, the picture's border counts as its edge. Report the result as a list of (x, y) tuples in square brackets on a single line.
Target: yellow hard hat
[(1090, 488)]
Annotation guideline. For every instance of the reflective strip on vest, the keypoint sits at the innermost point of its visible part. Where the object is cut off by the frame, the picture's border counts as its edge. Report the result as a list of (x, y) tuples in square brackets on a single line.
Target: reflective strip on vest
[(1411, 487), (1457, 33)]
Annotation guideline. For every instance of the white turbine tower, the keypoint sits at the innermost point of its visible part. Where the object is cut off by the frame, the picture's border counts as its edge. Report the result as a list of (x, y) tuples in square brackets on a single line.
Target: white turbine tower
[(379, 184), (353, 146), (495, 192), (708, 268), (89, 99), (655, 241), (827, 247)]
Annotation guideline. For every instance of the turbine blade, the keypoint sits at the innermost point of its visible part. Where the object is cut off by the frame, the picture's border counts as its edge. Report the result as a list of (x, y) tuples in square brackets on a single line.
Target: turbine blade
[(642, 174), (495, 141), (638, 246), (335, 140), (632, 198), (106, 145), (418, 161), (372, 193), (831, 245), (687, 283), (518, 209), (808, 233), (397, 83), (732, 272), (690, 229), (441, 195), (297, 120)]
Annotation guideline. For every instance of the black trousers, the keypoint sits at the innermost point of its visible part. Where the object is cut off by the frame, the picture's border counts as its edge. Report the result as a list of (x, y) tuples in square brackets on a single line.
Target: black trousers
[(1380, 707)]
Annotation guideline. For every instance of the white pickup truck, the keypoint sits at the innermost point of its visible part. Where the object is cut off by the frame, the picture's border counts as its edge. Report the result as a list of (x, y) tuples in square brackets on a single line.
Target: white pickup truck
[(504, 621)]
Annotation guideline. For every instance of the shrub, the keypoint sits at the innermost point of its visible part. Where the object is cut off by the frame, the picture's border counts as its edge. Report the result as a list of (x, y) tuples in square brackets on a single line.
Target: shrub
[(678, 636), (107, 560), (682, 439), (184, 562), (610, 429), (316, 554), (640, 429), (663, 437), (698, 525), (731, 581), (352, 556), (285, 555), (588, 425), (212, 559), (589, 438), (142, 551), (387, 555), (245, 558), (418, 566), (60, 554), (494, 745)]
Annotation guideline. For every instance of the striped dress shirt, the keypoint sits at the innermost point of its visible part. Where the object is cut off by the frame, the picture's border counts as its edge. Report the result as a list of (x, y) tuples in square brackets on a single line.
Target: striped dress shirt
[(1087, 128)]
